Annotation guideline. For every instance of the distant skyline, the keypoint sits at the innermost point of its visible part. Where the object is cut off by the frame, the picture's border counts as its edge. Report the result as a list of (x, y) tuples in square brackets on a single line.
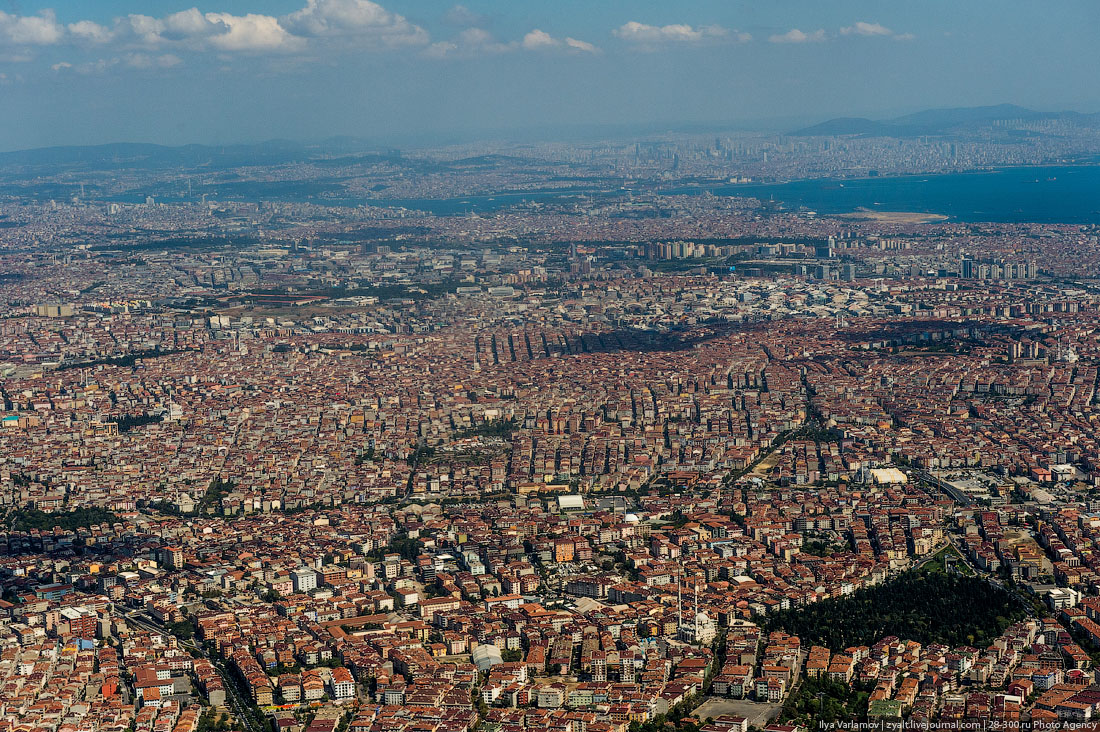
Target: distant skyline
[(224, 71)]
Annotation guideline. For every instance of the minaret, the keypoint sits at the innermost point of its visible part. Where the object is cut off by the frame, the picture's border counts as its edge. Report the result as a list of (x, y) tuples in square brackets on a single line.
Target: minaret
[(695, 637), (679, 603)]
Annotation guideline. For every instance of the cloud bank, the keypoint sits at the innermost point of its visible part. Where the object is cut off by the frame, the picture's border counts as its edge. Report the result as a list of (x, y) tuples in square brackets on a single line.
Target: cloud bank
[(642, 34), (318, 27), (794, 35), (352, 26)]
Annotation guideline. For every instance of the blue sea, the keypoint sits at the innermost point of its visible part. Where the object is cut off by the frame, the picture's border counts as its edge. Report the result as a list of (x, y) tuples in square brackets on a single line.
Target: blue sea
[(1049, 194), (1041, 194)]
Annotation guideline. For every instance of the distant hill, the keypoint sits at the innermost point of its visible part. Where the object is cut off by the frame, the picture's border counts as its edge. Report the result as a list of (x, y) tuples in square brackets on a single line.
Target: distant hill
[(143, 155), (332, 152), (938, 121), (931, 118), (846, 126)]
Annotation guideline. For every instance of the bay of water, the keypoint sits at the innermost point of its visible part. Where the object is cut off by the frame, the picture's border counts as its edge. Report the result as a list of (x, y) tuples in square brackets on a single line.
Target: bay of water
[(1067, 194), (1050, 194)]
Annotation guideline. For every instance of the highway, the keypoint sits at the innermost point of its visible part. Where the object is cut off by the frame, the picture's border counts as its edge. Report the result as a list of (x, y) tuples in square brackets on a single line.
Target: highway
[(956, 495), (993, 580), (236, 704)]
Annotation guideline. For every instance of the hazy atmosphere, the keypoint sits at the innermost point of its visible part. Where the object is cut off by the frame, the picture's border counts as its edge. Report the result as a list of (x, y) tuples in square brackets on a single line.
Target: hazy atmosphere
[(549, 366), (77, 72)]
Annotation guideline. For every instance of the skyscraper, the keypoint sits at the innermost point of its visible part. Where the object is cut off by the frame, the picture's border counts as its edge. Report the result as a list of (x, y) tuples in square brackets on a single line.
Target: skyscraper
[(966, 270)]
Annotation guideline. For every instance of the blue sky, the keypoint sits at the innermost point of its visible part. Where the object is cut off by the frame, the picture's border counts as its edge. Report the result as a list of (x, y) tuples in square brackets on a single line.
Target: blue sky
[(90, 71)]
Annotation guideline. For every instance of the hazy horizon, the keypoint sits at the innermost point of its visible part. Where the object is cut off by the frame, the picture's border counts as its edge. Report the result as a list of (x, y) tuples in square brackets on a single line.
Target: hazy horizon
[(533, 134), (241, 71)]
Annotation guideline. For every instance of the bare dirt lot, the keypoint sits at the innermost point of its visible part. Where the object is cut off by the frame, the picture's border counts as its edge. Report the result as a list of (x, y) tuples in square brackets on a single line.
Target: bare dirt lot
[(758, 714), (895, 217)]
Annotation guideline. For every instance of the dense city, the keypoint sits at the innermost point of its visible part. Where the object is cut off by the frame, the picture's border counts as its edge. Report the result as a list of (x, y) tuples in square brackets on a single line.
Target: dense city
[(629, 458)]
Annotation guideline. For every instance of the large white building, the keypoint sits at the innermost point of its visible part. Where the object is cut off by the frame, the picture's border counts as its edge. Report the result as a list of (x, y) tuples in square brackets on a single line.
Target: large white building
[(305, 579)]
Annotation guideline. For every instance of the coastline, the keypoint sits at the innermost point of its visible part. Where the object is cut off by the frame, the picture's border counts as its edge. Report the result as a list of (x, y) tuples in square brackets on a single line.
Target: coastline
[(1048, 193), (892, 217)]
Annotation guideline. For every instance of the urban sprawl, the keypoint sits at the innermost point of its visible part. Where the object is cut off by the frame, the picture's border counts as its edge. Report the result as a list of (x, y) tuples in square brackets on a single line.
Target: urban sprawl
[(608, 462)]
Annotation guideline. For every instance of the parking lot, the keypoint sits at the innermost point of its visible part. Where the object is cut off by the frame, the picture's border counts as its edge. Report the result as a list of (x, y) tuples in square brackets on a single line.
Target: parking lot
[(758, 713)]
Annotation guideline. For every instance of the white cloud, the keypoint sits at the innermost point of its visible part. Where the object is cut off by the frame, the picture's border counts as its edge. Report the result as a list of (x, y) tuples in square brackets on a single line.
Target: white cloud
[(579, 45), (649, 35), (252, 32), (139, 28), (186, 28), (196, 31), (472, 41), (361, 19), (360, 23), (794, 35), (478, 41), (98, 66), (539, 40), (462, 17), (30, 30), (441, 49), (138, 40), (863, 28), (465, 43), (130, 60), (91, 31), (189, 24)]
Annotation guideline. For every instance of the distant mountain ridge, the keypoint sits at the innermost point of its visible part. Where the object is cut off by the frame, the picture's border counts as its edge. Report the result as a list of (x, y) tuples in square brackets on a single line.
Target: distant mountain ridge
[(341, 150), (334, 151), (937, 121), (149, 155)]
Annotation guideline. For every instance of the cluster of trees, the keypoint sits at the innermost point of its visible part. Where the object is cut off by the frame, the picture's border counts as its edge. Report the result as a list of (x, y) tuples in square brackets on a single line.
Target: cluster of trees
[(211, 720), (818, 433), (938, 563), (28, 519), (490, 428), (419, 291), (203, 243), (821, 702), (925, 607), (212, 500), (677, 717), (128, 422), (822, 548), (406, 547), (182, 629), (128, 360)]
